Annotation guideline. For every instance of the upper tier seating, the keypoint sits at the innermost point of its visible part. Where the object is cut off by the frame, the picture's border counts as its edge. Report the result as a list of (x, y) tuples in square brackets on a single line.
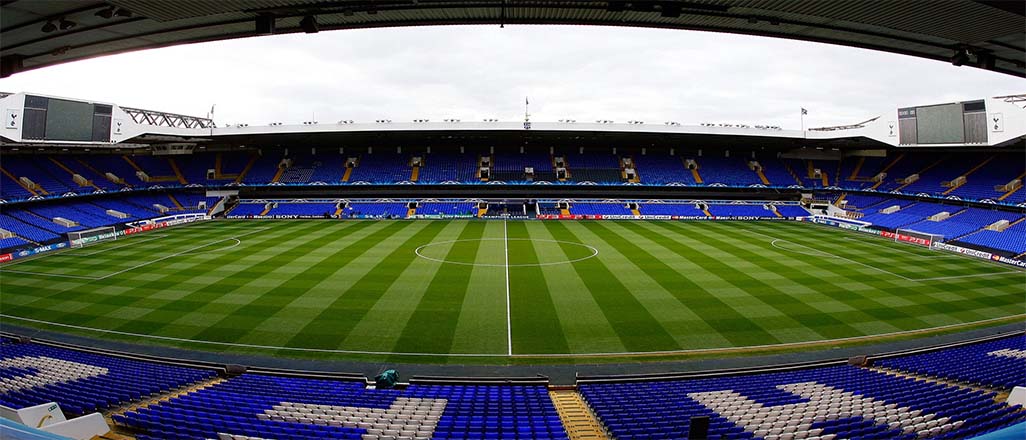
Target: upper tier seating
[(731, 171), (819, 403), (662, 170), (510, 166), (598, 167), (1000, 363), (775, 172), (1012, 239), (25, 230), (907, 215), (862, 201), (969, 220), (656, 168), (81, 382), (298, 408), (443, 167), (383, 168)]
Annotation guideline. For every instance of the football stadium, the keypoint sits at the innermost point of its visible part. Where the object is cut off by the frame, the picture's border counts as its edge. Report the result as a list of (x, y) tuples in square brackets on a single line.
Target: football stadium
[(166, 276)]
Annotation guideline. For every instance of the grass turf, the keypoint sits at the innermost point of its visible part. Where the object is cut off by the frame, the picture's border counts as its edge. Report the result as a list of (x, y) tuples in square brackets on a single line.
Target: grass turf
[(340, 289)]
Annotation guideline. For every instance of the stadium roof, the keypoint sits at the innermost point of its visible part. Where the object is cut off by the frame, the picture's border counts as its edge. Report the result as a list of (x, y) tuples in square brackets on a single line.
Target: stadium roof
[(988, 34)]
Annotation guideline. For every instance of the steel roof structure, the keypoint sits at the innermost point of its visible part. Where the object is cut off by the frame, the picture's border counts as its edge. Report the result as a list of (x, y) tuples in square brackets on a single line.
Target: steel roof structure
[(989, 34)]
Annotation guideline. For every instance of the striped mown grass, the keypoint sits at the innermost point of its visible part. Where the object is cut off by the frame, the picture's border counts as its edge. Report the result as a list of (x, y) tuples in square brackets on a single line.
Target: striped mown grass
[(439, 289)]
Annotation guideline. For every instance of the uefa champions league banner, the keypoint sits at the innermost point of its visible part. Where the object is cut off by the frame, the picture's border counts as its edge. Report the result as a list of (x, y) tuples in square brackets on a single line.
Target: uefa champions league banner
[(983, 255)]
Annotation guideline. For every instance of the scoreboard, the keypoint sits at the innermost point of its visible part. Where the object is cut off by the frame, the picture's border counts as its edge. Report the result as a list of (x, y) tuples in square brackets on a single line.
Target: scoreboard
[(53, 119), (957, 123)]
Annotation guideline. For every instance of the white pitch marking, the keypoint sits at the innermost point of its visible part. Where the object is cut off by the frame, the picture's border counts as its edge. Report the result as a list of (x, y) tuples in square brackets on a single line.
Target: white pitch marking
[(509, 320), (897, 249), (100, 251), (823, 253), (83, 277), (524, 355), (418, 251)]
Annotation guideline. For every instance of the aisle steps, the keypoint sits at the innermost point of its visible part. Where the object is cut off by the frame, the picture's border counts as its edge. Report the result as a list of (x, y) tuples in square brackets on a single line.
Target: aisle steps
[(578, 420)]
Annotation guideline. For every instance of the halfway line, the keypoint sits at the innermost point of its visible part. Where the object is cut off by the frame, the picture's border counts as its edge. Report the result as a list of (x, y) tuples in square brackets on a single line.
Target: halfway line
[(509, 326)]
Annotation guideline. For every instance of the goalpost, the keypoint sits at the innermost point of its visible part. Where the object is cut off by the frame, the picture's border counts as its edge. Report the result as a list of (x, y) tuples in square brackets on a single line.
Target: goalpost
[(78, 239), (917, 238)]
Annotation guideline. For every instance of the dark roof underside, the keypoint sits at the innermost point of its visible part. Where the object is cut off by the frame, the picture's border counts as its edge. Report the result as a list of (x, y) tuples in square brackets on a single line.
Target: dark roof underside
[(988, 33)]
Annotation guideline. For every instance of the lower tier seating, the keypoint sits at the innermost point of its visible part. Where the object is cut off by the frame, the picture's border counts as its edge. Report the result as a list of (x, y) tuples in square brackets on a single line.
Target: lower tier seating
[(819, 403), (298, 408), (33, 374), (1000, 363)]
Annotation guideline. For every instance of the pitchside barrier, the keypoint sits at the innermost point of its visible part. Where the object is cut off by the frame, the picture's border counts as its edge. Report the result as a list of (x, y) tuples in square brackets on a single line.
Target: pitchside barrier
[(904, 236), (81, 238), (653, 217)]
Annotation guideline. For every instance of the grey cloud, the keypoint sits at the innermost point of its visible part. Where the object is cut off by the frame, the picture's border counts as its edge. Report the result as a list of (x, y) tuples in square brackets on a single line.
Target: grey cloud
[(474, 72)]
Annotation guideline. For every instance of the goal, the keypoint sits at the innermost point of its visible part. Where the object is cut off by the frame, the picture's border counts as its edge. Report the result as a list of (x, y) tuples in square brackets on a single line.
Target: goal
[(918, 238), (82, 238)]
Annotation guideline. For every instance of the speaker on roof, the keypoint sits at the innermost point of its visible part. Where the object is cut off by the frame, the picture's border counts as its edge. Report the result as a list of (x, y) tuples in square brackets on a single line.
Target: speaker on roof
[(698, 428), (265, 24)]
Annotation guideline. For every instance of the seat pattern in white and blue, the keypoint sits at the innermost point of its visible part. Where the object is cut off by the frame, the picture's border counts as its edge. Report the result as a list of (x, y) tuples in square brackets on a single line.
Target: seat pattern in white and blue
[(820, 403), (300, 408), (32, 374), (1000, 363)]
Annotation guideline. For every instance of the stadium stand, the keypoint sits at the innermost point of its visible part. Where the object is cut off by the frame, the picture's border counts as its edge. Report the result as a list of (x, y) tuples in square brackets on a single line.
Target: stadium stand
[(446, 167), (83, 382), (382, 168), (963, 222), (599, 209), (728, 171), (822, 403), (740, 211), (292, 408), (387, 209), (447, 208), (510, 167), (1000, 363), (594, 167), (662, 170), (1012, 239), (53, 175), (246, 210)]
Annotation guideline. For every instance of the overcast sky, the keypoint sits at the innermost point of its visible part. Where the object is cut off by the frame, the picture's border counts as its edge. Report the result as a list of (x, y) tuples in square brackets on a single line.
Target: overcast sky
[(476, 72)]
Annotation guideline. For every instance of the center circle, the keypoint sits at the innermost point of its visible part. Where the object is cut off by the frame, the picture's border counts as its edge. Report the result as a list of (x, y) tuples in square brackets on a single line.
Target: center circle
[(568, 252)]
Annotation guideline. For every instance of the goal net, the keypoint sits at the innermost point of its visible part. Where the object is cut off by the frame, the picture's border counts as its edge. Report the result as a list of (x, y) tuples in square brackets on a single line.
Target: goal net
[(917, 238), (82, 238)]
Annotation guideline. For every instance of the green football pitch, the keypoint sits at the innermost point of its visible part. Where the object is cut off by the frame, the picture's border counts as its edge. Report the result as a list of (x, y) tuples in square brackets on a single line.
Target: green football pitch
[(446, 290)]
